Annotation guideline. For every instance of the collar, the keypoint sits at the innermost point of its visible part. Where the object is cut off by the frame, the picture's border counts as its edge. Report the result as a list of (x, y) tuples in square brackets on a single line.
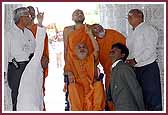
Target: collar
[(115, 63), (139, 25), (17, 28)]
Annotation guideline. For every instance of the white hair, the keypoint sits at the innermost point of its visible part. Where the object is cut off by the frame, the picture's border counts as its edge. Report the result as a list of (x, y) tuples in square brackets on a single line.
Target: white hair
[(17, 13)]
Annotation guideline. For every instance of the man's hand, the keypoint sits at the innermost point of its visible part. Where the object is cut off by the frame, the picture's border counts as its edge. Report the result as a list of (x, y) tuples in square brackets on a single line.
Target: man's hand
[(131, 62), (71, 77), (40, 17), (88, 30), (44, 62)]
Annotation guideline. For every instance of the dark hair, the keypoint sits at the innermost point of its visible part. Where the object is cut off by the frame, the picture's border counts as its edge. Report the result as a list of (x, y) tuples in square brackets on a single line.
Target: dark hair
[(30, 7), (123, 48), (32, 12), (138, 12)]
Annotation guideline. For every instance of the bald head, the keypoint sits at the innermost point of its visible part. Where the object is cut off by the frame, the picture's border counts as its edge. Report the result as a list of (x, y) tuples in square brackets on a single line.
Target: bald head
[(76, 11), (78, 16)]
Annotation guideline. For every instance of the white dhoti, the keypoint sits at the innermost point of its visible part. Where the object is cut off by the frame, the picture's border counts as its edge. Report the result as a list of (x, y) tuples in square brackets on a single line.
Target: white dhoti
[(30, 97)]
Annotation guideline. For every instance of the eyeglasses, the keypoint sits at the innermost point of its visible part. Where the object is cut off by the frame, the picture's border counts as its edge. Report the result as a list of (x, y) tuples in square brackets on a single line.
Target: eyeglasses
[(26, 15)]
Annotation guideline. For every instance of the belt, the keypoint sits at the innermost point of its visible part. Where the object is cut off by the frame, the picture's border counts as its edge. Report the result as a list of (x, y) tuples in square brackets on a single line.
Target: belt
[(21, 62), (146, 65)]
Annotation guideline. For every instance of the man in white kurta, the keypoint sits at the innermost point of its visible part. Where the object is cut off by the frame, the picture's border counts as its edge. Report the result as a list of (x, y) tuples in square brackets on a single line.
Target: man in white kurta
[(30, 97)]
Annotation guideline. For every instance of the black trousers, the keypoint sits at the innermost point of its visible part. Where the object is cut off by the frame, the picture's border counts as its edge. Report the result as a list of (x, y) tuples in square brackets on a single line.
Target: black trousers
[(14, 76), (149, 79)]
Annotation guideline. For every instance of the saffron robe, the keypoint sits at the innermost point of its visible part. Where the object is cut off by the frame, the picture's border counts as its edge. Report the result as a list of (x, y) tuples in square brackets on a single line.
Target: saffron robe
[(84, 93)]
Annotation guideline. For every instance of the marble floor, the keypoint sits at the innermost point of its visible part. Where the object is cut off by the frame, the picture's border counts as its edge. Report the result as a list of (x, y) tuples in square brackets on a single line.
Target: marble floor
[(54, 95)]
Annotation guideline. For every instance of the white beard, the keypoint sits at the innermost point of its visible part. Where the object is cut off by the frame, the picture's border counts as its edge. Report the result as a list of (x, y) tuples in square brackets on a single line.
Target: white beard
[(82, 56), (101, 34)]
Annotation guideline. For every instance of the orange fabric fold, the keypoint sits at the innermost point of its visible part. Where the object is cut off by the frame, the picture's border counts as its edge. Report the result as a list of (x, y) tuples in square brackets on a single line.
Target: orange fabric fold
[(79, 35), (105, 44)]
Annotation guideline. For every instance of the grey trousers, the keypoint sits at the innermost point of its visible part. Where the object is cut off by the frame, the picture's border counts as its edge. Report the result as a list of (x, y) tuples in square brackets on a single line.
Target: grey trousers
[(13, 77)]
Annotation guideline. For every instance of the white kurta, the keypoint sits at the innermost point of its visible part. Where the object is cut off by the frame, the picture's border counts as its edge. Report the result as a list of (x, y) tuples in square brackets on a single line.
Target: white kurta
[(30, 97)]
